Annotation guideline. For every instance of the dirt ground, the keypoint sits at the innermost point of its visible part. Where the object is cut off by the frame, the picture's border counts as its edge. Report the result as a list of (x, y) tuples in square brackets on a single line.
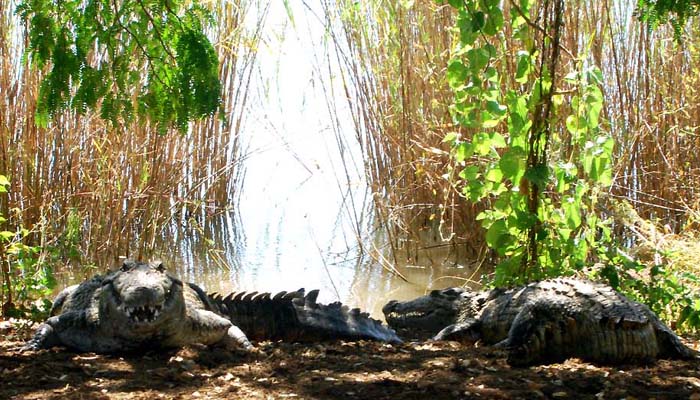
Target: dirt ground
[(341, 370)]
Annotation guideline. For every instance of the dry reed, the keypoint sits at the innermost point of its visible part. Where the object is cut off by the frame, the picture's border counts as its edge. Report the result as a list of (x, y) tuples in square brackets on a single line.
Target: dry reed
[(120, 187), (394, 61)]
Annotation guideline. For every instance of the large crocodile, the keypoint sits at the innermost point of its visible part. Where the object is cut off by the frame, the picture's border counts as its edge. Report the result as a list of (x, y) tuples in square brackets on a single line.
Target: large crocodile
[(543, 322), (141, 306)]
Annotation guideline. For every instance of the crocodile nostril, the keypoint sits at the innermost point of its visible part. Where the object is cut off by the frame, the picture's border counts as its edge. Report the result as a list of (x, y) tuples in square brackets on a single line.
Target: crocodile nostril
[(388, 307)]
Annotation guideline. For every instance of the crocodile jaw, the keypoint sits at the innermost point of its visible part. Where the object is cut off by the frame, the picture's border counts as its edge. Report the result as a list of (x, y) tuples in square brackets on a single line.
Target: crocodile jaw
[(410, 319), (143, 297), (420, 316)]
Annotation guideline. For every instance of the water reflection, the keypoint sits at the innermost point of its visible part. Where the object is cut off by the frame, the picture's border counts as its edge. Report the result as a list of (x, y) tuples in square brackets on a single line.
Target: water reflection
[(289, 250)]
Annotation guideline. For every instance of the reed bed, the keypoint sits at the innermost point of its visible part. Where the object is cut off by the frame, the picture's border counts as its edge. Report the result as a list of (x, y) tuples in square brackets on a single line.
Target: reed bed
[(394, 61), (94, 192), (394, 56)]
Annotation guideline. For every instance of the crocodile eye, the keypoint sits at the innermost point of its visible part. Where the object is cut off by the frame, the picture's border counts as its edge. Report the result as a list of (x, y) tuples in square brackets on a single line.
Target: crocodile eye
[(125, 266), (453, 292), (159, 266)]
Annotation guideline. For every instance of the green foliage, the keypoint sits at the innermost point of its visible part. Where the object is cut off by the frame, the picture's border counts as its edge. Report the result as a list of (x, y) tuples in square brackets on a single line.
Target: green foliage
[(70, 241), (145, 58), (540, 173), (562, 224), (657, 12), (669, 293), (25, 276)]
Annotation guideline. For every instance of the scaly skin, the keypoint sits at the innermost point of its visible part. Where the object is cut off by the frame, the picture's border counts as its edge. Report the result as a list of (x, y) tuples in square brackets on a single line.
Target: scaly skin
[(297, 317), (544, 322), (139, 306)]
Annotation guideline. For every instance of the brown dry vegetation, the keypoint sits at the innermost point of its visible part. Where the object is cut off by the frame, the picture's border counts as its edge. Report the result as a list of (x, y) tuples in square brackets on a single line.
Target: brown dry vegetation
[(395, 71), (112, 190), (394, 62)]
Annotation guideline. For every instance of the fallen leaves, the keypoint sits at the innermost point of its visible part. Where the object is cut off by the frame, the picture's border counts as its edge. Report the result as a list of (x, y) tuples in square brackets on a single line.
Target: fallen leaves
[(345, 370)]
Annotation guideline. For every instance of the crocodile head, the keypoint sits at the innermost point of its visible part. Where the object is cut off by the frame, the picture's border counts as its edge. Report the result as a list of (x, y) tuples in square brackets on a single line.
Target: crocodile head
[(425, 315), (140, 296)]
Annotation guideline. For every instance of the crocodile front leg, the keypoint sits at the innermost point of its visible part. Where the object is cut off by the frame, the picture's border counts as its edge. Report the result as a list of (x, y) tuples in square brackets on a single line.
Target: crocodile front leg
[(468, 330), (208, 328), (72, 329), (44, 337)]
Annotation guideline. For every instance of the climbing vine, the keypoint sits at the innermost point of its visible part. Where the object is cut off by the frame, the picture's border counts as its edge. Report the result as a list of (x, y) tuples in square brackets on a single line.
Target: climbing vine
[(539, 171)]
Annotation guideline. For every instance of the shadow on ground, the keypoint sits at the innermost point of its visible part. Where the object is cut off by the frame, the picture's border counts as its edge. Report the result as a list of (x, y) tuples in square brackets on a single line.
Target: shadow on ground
[(359, 370)]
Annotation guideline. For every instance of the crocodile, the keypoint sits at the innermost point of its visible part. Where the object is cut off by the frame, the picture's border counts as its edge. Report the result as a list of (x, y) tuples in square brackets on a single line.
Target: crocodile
[(543, 322), (298, 317), (142, 306)]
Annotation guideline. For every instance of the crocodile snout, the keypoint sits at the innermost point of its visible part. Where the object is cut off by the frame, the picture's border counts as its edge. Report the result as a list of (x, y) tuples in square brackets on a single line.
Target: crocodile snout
[(389, 307)]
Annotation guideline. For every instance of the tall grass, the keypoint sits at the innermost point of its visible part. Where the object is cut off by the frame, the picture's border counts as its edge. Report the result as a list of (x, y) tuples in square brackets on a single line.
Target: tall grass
[(395, 55), (95, 192), (394, 60)]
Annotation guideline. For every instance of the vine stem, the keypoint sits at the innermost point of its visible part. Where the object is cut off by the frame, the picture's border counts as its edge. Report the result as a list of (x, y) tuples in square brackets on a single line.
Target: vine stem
[(539, 134)]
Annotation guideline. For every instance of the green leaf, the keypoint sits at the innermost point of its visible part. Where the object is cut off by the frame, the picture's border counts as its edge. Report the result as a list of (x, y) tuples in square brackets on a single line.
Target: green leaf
[(518, 115), (492, 4), (463, 151), (478, 58), (495, 108), (482, 143), (470, 173), (497, 140), (161, 44), (488, 121), (7, 235), (507, 269), (494, 21), (572, 211), (450, 137), (457, 74), (576, 125), (498, 237), (524, 220), (467, 35), (478, 21), (538, 175), (565, 174), (512, 163), (523, 68), (475, 190), (491, 74), (494, 174), (4, 181)]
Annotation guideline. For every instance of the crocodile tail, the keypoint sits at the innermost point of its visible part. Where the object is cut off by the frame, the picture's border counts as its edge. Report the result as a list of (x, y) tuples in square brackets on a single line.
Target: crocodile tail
[(670, 345), (296, 316)]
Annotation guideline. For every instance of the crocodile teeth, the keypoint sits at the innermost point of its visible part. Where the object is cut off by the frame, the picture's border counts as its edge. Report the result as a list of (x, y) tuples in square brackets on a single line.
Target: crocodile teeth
[(143, 313), (412, 314)]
